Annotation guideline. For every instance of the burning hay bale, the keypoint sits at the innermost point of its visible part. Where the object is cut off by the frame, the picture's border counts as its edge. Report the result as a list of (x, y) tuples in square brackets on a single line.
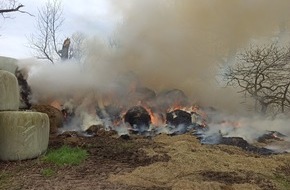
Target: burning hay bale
[(138, 118), (178, 121), (178, 117), (55, 116), (166, 99)]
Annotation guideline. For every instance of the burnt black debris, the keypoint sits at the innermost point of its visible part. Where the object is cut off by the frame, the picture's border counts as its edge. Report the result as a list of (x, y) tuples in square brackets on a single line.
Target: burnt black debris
[(180, 122), (25, 90), (242, 143), (177, 122), (204, 138), (217, 138), (138, 118), (178, 117)]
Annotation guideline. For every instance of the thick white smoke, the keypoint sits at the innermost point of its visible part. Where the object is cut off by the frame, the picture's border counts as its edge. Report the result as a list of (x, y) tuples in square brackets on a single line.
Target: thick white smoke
[(180, 44), (251, 129), (167, 44)]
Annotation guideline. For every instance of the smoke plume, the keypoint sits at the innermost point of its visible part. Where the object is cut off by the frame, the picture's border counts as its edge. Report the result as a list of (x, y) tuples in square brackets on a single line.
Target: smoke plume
[(164, 44), (170, 44), (180, 44)]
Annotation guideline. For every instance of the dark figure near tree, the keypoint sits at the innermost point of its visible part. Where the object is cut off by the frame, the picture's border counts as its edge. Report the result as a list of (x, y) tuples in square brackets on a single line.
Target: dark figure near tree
[(65, 48)]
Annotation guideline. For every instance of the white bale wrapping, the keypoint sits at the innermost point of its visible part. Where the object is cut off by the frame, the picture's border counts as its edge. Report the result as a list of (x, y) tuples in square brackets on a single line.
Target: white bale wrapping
[(8, 64), (9, 91), (23, 135)]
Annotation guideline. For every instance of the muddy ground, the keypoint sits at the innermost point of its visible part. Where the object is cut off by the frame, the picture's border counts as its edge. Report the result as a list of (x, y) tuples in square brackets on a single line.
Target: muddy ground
[(108, 154), (162, 162)]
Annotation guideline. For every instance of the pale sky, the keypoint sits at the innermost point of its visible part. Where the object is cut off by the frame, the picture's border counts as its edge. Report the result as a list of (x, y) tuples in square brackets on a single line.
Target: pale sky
[(92, 17)]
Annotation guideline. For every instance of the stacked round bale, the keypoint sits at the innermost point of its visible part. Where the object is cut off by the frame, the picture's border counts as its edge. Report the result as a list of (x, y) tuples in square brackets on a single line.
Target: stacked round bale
[(23, 134)]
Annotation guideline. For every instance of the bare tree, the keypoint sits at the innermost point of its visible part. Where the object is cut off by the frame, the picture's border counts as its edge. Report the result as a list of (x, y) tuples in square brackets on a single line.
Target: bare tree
[(8, 6), (46, 42), (262, 73)]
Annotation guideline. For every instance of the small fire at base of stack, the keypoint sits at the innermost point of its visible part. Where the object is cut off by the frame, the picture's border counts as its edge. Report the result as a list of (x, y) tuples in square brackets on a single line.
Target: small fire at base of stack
[(149, 118)]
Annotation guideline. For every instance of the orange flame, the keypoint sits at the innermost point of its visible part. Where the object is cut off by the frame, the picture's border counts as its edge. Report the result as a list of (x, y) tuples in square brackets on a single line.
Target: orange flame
[(156, 119), (56, 104)]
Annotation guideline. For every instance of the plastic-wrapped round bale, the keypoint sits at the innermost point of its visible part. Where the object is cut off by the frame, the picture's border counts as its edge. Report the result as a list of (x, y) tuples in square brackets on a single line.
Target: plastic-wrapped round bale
[(23, 135), (9, 91), (8, 64)]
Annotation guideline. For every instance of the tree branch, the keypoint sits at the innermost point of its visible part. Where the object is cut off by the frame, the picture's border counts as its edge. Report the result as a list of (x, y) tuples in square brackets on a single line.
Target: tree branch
[(16, 9)]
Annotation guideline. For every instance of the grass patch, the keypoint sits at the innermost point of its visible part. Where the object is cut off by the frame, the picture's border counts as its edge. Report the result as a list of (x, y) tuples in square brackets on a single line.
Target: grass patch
[(47, 172), (66, 155)]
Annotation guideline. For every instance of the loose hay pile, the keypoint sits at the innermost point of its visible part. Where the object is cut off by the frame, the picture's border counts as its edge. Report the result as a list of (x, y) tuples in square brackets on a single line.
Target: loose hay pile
[(196, 166)]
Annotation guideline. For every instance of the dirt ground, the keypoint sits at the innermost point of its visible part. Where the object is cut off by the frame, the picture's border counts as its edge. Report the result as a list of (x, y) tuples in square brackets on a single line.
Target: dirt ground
[(108, 154), (161, 163)]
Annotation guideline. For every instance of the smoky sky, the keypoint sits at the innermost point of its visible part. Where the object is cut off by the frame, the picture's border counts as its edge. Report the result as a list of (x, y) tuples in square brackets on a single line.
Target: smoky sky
[(181, 44), (170, 44), (166, 44)]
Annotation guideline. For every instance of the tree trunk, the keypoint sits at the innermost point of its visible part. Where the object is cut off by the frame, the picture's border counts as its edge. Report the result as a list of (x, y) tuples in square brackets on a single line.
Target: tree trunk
[(284, 98), (65, 48), (264, 108)]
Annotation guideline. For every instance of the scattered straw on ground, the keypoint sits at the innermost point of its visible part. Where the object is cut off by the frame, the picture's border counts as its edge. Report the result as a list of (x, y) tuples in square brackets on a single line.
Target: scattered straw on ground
[(196, 166)]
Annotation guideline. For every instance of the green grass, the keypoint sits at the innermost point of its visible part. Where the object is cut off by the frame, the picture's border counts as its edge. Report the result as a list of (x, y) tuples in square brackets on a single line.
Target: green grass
[(66, 155), (47, 172)]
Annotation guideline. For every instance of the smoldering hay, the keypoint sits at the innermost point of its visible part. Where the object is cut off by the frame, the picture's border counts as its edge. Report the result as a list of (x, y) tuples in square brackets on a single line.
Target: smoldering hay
[(167, 44)]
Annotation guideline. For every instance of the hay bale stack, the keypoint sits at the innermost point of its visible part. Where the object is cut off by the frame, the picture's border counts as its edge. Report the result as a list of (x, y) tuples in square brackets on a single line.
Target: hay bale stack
[(23, 135), (8, 64), (9, 91)]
